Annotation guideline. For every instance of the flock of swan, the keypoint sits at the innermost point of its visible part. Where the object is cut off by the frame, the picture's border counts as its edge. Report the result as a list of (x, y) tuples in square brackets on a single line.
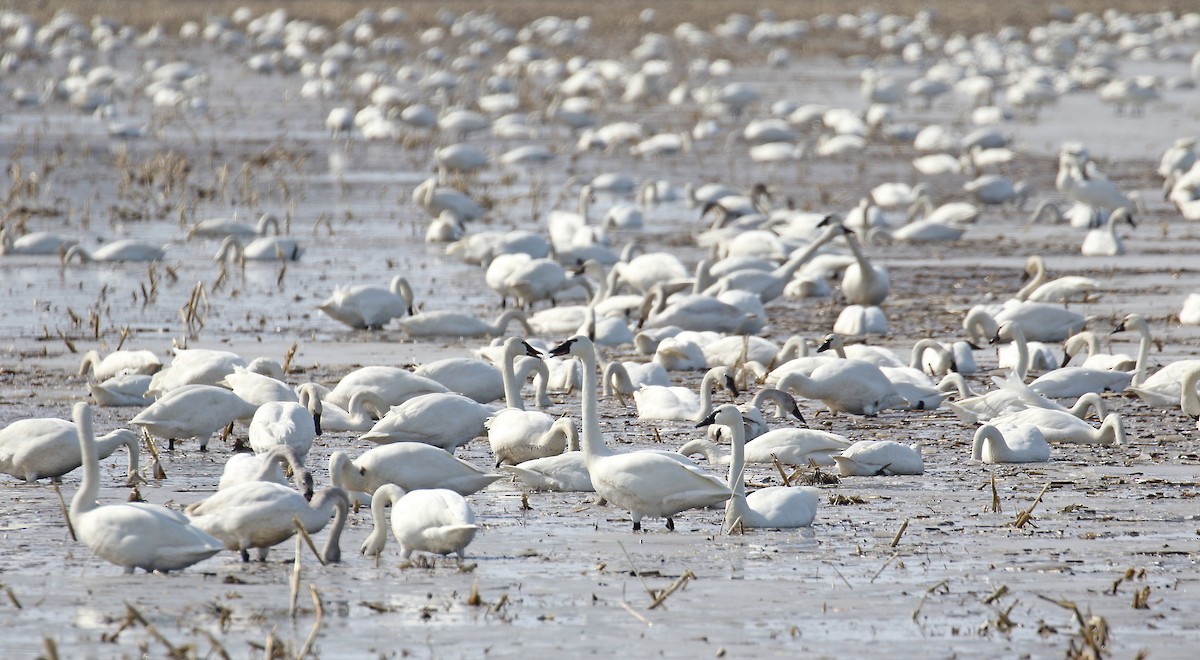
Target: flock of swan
[(654, 287)]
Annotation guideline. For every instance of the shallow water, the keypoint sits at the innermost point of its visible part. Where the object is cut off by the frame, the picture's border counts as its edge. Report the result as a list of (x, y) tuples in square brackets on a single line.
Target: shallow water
[(558, 577)]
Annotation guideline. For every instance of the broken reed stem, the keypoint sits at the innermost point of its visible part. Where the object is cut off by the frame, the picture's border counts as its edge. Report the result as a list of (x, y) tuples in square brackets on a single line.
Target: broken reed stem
[(636, 573), (218, 648), (308, 539), (134, 614), (1027, 515), (316, 627), (995, 495), (779, 466), (158, 472), (639, 617), (1000, 591), (899, 533), (66, 513), (51, 648), (289, 356), (295, 581), (12, 597), (839, 574), (679, 582), (885, 565)]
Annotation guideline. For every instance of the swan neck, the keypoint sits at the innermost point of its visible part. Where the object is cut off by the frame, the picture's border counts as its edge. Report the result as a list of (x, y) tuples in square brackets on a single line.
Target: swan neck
[(918, 353), (89, 488), (798, 382), (706, 396), (1143, 355), (736, 507), (512, 390), (1038, 278), (341, 510), (593, 435), (1189, 401), (1018, 338), (985, 433)]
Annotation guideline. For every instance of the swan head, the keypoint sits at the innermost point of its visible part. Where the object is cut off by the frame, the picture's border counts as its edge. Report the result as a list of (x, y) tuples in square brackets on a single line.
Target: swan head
[(832, 342), (1122, 214), (575, 346), (725, 415)]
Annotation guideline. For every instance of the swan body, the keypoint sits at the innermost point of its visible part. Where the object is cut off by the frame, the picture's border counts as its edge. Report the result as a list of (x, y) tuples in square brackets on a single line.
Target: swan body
[(121, 391), (368, 307), (697, 312), (1103, 241), (850, 386), (515, 434), (32, 449), (856, 321), (1095, 359), (410, 465), (126, 249), (470, 377), (266, 248), (867, 458), (791, 446), (442, 420), (1039, 321), (390, 385), (1010, 444), (456, 324), (776, 506), (641, 482), (222, 227), (196, 411), (258, 388), (863, 283), (1062, 426), (259, 514), (289, 423), (681, 403), (1077, 381), (566, 472), (1165, 387), (196, 366), (733, 350), (1012, 395), (33, 243), (876, 355), (1065, 289), (143, 536), (267, 466), (119, 363), (438, 521)]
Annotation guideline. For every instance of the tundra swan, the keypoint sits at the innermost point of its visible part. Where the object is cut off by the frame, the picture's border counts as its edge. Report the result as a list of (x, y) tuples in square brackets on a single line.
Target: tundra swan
[(1062, 426), (1039, 321), (193, 411), (391, 386), (790, 446), (457, 324), (38, 242), (267, 466), (410, 465), (1014, 395), (442, 420), (851, 386), (863, 283), (290, 423), (437, 520), (695, 312), (775, 506), (126, 249), (644, 483), (119, 363), (1103, 241), (222, 227), (369, 307), (566, 472), (260, 514), (1069, 288), (33, 449), (876, 355), (1095, 359), (118, 391), (868, 458), (1028, 355), (195, 366), (1010, 444), (266, 248), (139, 535), (681, 403), (517, 435)]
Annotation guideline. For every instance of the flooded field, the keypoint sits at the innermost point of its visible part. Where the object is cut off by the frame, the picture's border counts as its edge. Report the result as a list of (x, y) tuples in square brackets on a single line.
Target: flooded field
[(937, 564)]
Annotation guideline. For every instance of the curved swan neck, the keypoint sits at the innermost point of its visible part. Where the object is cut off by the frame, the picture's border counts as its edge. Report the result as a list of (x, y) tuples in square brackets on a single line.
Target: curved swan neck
[(987, 433), (1018, 339), (1189, 401), (1112, 430), (343, 473), (1143, 355), (616, 377), (541, 373), (341, 510), (502, 322), (89, 362), (89, 487), (980, 325), (706, 396), (512, 389), (798, 382), (788, 270), (403, 289), (1036, 268), (918, 352)]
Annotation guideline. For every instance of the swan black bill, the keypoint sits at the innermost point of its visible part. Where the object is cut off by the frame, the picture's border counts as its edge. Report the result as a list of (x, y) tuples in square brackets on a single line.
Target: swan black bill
[(531, 351), (731, 385), (563, 348), (708, 421)]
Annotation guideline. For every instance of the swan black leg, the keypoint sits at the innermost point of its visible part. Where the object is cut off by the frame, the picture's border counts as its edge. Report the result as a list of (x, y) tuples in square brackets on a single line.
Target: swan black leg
[(245, 556), (671, 524), (170, 444), (637, 525)]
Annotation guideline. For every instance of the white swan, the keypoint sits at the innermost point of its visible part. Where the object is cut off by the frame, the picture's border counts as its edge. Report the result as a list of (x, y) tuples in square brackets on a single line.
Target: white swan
[(438, 521), (288, 423), (1028, 355), (391, 386), (119, 363), (776, 506), (48, 447), (369, 307), (863, 283), (195, 366), (680, 403), (752, 416), (790, 446), (410, 465), (121, 391), (517, 435), (126, 249), (856, 321), (868, 458), (1104, 241), (442, 420), (1069, 288), (641, 482), (1077, 381), (566, 472), (37, 242), (193, 411), (850, 386), (1095, 359), (266, 248), (1014, 395), (480, 380), (1062, 426), (1039, 321), (259, 514), (140, 535), (769, 285), (222, 227), (1010, 444), (457, 324), (876, 355), (360, 416), (267, 466)]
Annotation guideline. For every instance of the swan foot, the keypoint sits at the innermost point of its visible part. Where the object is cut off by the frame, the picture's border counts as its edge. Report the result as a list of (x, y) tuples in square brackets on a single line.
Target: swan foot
[(171, 444), (637, 525), (671, 523), (245, 556)]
